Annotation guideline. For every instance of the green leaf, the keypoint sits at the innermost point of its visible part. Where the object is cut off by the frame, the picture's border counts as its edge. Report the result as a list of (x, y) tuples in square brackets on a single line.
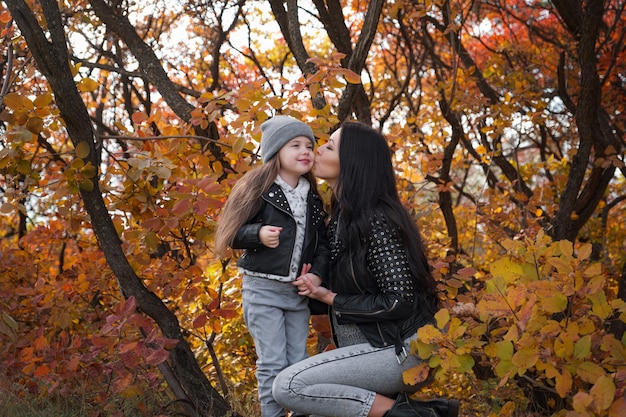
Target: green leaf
[(466, 362), (505, 349), (582, 348), (86, 185), (503, 368), (425, 350)]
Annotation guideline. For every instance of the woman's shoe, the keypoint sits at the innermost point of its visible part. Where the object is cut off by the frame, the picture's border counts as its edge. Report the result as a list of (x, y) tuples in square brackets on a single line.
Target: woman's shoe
[(406, 407)]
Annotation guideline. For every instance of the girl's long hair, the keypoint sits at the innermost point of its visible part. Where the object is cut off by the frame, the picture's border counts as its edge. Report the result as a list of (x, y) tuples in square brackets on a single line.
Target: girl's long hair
[(367, 184), (245, 202)]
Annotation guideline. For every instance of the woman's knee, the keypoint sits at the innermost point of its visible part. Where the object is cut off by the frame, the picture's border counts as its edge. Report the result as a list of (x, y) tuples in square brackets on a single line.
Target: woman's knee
[(280, 388)]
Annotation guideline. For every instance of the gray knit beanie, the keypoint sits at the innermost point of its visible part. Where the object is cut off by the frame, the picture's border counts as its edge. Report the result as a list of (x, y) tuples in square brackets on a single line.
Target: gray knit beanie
[(279, 130)]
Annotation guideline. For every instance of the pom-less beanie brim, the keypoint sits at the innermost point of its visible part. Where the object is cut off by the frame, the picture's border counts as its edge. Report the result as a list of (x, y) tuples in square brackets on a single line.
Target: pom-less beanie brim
[(279, 130)]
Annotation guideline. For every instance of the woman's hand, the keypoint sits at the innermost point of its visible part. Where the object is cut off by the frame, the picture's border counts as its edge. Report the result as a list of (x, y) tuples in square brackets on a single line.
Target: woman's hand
[(270, 236), (310, 285)]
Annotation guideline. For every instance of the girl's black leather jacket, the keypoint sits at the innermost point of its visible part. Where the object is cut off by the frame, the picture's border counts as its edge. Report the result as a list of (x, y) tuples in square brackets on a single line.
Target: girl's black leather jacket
[(275, 211), (378, 301)]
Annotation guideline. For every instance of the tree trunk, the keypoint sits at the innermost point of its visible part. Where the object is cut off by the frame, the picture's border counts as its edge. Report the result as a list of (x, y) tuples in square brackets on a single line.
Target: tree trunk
[(52, 60)]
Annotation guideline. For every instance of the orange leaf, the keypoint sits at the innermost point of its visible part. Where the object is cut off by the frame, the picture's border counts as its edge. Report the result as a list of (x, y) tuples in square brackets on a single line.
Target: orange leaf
[(416, 374), (618, 407), (100, 341), (139, 117), (41, 371)]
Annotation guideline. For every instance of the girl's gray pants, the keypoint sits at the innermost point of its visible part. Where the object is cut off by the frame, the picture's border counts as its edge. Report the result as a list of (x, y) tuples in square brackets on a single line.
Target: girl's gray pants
[(278, 321)]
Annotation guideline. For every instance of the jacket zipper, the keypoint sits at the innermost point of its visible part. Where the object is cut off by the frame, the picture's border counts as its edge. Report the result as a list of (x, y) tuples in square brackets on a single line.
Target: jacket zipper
[(369, 313), (288, 213)]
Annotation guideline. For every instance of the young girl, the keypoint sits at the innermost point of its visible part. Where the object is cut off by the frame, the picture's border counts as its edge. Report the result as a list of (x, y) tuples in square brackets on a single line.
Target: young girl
[(275, 214)]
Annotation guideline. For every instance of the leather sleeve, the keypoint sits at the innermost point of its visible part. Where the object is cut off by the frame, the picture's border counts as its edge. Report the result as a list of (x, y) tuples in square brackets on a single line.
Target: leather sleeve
[(247, 237), (321, 258), (370, 308), (389, 266)]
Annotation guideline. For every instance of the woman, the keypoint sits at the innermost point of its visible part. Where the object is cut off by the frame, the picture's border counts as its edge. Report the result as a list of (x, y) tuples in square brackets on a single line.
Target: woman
[(379, 291)]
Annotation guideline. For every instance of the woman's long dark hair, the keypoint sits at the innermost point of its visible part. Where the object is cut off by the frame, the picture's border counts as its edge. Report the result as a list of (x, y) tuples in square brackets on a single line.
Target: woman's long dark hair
[(367, 184)]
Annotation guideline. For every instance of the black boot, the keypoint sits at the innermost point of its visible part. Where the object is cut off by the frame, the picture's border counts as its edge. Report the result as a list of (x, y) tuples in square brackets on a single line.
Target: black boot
[(406, 407)]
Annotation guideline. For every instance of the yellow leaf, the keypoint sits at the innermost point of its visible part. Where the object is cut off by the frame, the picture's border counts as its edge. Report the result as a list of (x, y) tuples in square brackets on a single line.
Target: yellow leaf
[(238, 145), (590, 372), (152, 240), (563, 383), (82, 150), (551, 328), (87, 85), (554, 304), (567, 248), (43, 100), (595, 269), (507, 409), (563, 346), (442, 317), (466, 362), (584, 251), (507, 269), (600, 306), (428, 334), (425, 350), (562, 265), (525, 358), (23, 167), (34, 124), (603, 392), (16, 101)]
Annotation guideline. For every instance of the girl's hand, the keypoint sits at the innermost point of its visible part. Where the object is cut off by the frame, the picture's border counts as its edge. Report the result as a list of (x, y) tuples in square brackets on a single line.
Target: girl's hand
[(298, 282), (309, 285), (269, 236)]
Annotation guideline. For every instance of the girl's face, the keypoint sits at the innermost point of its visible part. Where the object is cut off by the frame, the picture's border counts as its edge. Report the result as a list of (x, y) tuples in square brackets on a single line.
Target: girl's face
[(296, 159), (327, 159)]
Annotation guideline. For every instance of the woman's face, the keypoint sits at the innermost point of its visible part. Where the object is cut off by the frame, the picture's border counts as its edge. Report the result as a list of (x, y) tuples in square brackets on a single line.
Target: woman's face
[(327, 159)]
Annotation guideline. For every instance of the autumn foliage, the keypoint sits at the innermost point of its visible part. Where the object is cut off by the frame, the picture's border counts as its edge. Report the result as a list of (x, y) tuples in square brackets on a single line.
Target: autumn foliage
[(125, 125)]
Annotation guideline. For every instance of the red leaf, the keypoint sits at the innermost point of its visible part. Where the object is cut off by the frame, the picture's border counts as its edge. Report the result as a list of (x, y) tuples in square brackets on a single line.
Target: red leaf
[(156, 357), (200, 321)]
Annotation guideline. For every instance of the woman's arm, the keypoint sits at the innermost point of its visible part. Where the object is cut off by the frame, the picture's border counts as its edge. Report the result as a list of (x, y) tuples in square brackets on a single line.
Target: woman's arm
[(388, 262)]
